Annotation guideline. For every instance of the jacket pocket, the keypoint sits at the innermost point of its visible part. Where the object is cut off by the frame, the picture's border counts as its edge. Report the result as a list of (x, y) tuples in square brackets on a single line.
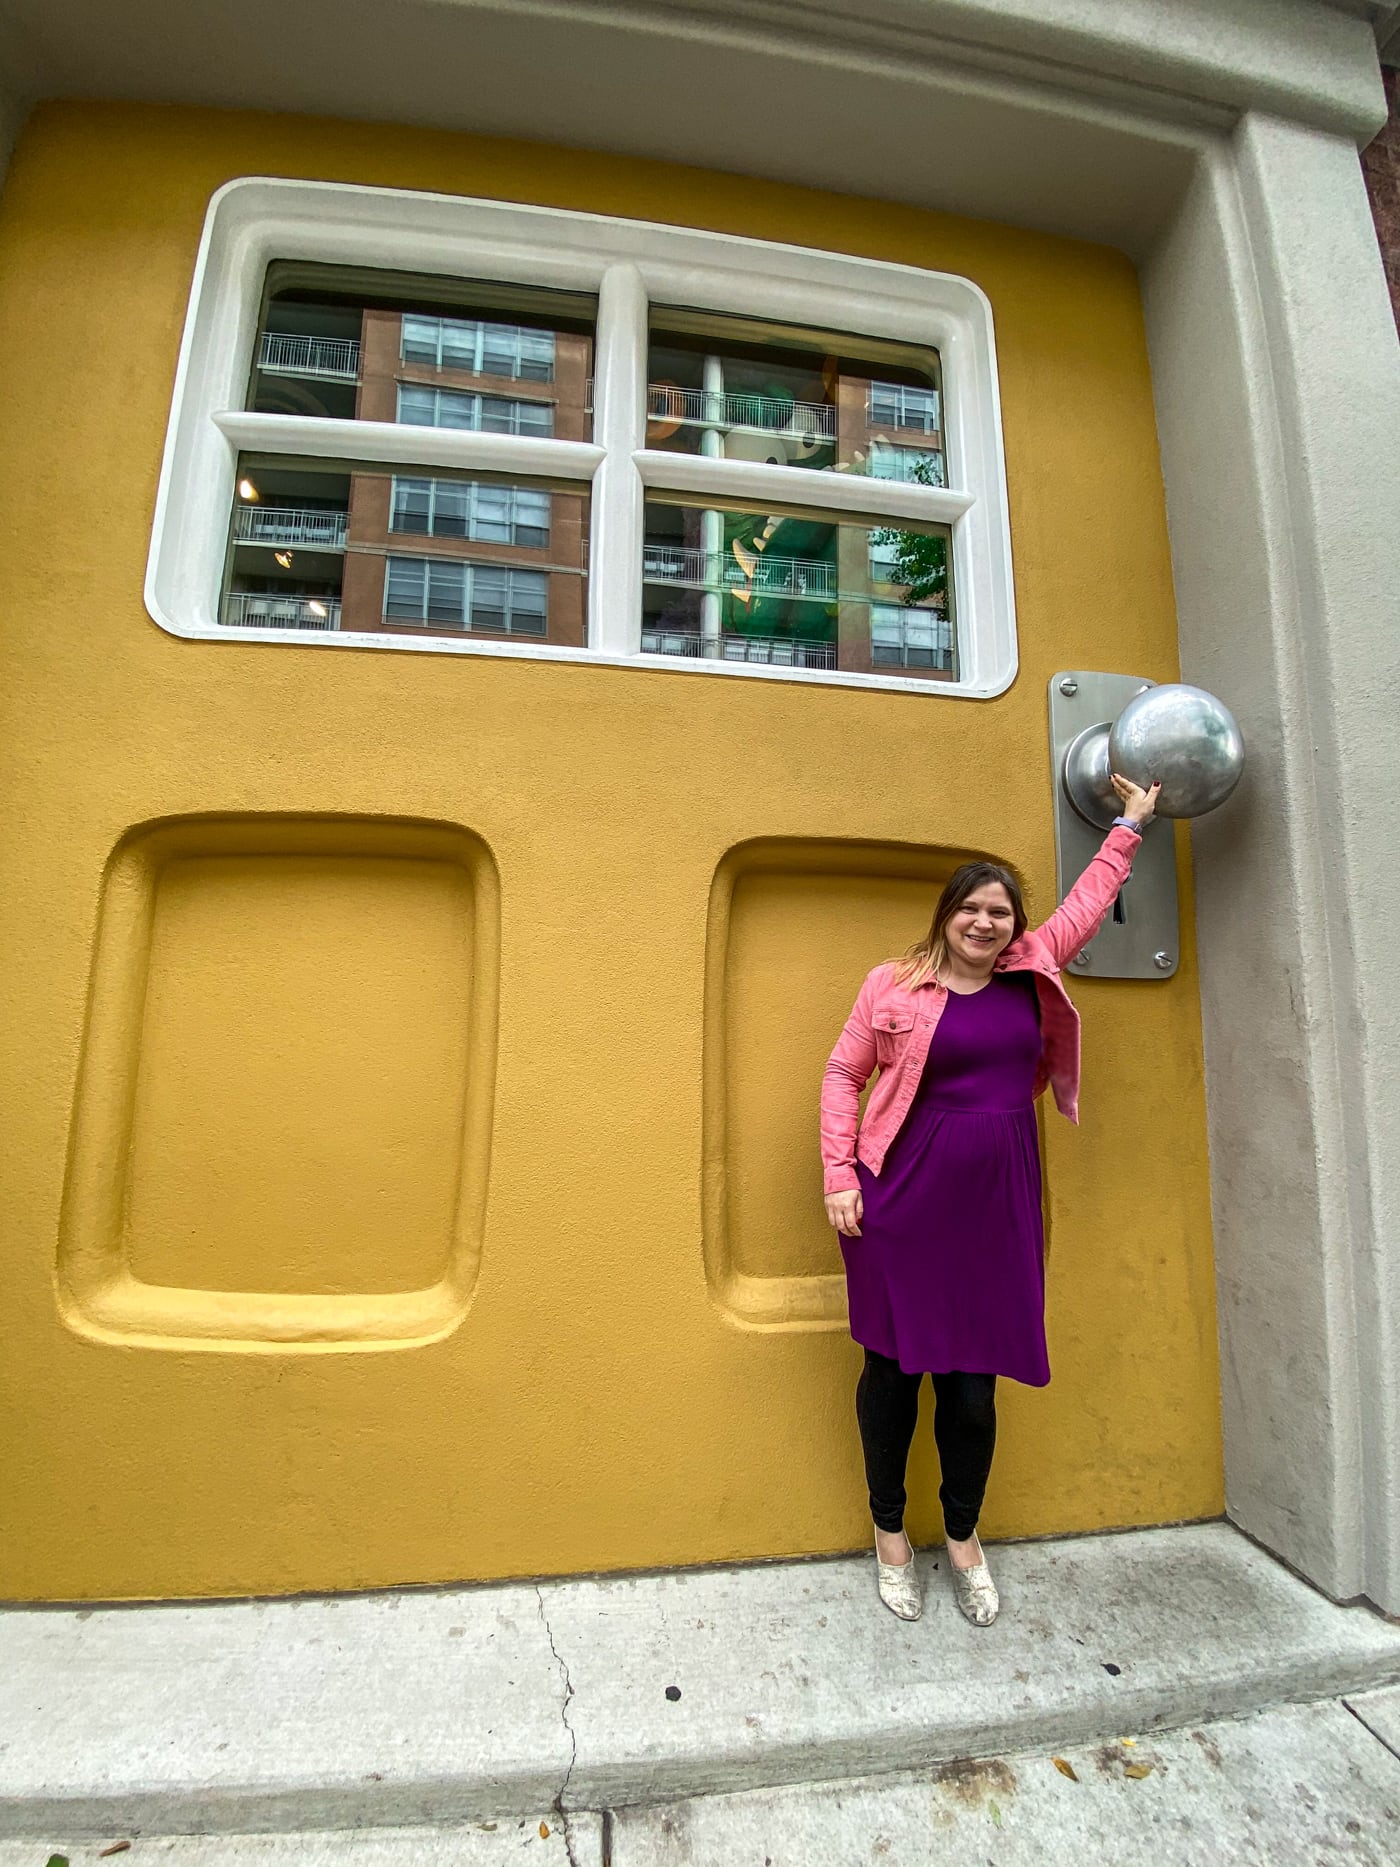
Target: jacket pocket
[(892, 1029)]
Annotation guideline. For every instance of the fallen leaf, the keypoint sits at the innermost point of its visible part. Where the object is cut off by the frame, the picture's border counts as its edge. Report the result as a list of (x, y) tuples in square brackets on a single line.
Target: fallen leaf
[(1065, 1769), (117, 1847), (544, 1831), (994, 1811), (1137, 1769), (57, 1860), (1129, 1741)]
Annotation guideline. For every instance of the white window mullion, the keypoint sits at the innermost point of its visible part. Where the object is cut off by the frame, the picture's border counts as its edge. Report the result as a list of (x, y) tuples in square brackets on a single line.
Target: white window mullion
[(367, 443), (762, 487), (620, 419)]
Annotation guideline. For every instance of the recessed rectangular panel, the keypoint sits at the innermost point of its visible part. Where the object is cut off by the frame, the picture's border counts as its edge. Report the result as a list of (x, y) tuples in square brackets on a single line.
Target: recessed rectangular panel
[(282, 1123), (299, 1092), (795, 926)]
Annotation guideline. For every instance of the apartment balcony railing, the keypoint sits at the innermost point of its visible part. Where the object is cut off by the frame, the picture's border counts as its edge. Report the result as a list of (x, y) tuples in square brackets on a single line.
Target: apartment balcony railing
[(335, 359), (812, 578), (776, 651), (290, 525), (713, 408), (261, 610)]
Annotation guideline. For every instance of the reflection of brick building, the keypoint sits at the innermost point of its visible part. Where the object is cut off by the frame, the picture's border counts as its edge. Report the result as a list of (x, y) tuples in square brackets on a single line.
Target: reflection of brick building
[(891, 431), (416, 553)]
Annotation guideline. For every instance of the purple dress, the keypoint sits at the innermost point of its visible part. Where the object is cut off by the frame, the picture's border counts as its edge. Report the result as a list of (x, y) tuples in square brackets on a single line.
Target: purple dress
[(948, 1272)]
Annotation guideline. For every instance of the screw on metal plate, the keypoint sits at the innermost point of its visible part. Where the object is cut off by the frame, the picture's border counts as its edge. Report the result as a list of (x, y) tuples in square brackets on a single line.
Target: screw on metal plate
[(1162, 961), (1069, 688), (1081, 959)]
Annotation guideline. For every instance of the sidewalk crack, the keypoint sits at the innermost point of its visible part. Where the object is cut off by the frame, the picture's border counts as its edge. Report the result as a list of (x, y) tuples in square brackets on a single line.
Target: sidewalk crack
[(1370, 1728), (565, 1824)]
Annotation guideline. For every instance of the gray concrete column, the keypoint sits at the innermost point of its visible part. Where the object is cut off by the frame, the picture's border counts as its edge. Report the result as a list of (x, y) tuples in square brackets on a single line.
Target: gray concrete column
[(1278, 398)]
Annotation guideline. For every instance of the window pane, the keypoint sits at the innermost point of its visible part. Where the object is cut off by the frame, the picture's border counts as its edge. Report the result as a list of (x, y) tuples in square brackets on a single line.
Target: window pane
[(488, 511), (331, 547), (797, 589), (420, 340), (412, 505), (447, 593), (397, 347), (737, 389), (417, 405), (450, 506), (911, 638)]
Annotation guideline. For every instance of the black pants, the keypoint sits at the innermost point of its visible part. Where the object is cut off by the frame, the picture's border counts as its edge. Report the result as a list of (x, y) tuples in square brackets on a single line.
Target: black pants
[(964, 1430)]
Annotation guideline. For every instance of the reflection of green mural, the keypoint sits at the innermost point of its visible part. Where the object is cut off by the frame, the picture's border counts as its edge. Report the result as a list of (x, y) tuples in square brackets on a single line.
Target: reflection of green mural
[(784, 577), (920, 561)]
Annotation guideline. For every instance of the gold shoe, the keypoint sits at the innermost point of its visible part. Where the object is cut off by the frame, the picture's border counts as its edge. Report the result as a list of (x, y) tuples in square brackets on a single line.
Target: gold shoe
[(899, 1586), (976, 1592)]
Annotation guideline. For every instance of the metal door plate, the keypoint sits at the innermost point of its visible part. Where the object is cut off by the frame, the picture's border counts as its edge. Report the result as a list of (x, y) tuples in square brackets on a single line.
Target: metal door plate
[(1141, 937)]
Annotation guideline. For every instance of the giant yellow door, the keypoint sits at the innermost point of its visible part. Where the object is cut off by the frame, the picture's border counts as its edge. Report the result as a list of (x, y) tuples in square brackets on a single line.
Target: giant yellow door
[(413, 1057)]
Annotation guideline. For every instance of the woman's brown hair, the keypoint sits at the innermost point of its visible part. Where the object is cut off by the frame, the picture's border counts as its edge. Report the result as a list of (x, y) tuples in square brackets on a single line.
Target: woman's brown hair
[(928, 956)]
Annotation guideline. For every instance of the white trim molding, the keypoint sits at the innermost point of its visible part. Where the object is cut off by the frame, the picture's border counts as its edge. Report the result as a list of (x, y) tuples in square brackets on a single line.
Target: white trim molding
[(629, 266)]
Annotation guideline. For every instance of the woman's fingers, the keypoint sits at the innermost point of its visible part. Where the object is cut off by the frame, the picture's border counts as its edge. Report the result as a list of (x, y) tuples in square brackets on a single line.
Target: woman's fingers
[(843, 1210)]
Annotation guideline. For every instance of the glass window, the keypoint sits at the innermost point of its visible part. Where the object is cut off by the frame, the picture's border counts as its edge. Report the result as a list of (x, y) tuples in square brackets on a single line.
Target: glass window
[(735, 389), (794, 589), (910, 638), (480, 509), (478, 348), (348, 345), (910, 466), (317, 547), (801, 505), (458, 595), (902, 407), (463, 408)]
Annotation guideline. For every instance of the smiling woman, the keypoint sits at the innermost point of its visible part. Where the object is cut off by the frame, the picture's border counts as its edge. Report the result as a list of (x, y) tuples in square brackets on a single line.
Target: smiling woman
[(937, 1197)]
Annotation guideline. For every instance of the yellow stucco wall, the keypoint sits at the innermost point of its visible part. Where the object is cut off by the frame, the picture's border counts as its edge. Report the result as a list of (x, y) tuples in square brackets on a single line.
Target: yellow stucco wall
[(607, 1399)]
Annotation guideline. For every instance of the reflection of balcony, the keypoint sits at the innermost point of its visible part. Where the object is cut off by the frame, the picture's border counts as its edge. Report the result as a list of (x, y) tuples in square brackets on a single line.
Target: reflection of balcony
[(775, 651), (290, 525), (334, 359), (811, 578), (713, 408), (264, 610)]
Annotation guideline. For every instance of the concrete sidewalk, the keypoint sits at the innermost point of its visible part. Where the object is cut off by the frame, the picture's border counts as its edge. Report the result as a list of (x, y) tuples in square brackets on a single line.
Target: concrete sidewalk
[(745, 1696)]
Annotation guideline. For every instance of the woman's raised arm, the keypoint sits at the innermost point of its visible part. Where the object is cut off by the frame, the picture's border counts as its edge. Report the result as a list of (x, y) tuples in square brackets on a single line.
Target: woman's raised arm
[(1082, 912)]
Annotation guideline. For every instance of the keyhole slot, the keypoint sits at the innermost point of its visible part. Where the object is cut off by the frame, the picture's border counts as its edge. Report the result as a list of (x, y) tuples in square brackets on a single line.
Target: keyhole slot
[(1120, 919)]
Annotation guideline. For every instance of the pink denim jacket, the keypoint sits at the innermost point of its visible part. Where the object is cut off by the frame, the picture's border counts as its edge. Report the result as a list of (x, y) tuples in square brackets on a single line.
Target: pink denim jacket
[(892, 1027)]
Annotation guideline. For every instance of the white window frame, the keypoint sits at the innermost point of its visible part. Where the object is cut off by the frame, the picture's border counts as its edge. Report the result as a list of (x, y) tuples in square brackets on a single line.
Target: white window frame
[(629, 265)]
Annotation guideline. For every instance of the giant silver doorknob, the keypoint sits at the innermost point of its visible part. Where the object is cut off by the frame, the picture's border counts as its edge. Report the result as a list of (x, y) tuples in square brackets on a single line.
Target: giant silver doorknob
[(1180, 734)]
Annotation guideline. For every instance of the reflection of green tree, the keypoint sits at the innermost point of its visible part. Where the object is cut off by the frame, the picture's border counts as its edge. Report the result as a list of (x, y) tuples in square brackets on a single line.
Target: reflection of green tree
[(920, 558)]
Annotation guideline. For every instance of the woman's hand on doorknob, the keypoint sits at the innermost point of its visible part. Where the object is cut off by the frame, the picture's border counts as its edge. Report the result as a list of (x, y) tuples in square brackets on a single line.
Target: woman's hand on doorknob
[(1137, 803)]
